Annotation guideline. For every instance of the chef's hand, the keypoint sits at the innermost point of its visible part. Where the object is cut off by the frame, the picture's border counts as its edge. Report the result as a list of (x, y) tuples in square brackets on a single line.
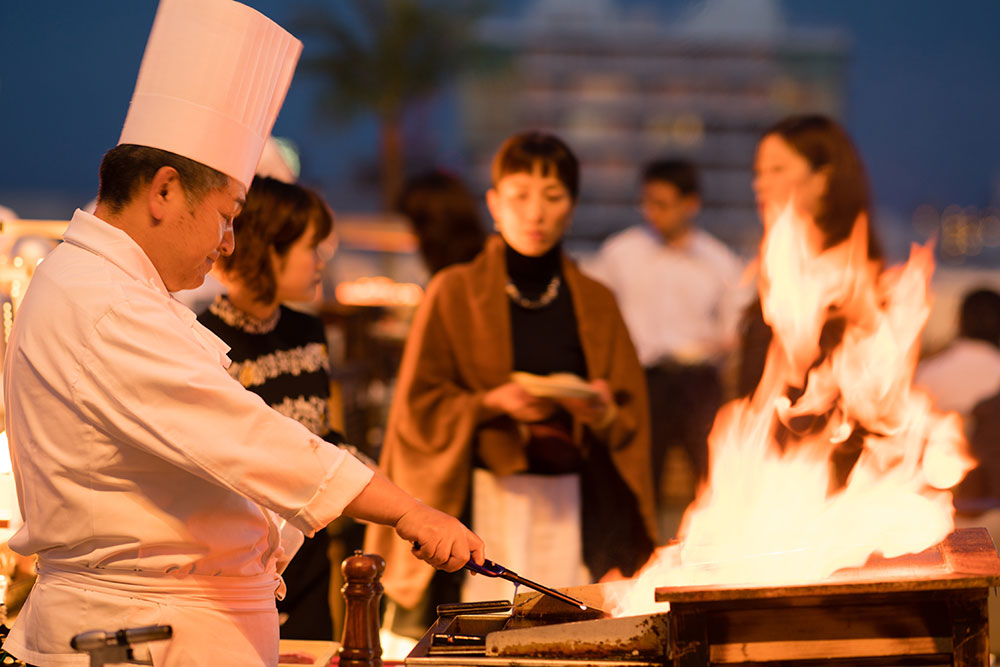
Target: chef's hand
[(512, 399), (439, 538), (595, 412), (444, 541)]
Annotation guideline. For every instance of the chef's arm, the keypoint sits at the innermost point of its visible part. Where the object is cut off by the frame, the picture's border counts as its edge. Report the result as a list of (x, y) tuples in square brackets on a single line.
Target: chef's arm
[(443, 541)]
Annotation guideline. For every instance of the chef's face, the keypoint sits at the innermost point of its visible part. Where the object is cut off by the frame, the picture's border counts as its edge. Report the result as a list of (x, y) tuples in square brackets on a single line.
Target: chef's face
[(531, 210), (298, 270), (198, 233)]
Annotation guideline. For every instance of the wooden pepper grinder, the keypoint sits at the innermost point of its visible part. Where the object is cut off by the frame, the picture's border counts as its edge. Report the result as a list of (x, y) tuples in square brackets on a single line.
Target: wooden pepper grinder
[(374, 608), (360, 645)]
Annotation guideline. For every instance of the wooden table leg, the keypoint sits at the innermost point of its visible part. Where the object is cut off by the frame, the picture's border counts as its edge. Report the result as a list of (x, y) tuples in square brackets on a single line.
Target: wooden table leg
[(689, 637), (970, 630)]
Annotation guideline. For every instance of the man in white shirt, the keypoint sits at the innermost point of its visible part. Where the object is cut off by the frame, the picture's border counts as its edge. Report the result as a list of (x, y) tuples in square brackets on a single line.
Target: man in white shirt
[(680, 294), (968, 370), (154, 488)]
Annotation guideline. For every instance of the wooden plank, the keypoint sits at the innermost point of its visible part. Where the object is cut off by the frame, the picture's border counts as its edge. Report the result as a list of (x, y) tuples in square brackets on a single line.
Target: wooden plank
[(830, 622), (828, 649), (970, 551)]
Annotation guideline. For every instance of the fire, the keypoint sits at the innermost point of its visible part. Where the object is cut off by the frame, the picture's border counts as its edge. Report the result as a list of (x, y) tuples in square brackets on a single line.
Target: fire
[(836, 457)]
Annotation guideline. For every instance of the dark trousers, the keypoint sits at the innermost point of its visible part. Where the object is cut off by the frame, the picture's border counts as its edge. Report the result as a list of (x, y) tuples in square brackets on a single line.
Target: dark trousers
[(683, 400)]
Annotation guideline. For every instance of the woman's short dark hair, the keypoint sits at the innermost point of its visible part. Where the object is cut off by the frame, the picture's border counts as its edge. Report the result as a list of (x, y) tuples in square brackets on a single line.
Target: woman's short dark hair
[(445, 218), (127, 167), (526, 151), (275, 215), (824, 144)]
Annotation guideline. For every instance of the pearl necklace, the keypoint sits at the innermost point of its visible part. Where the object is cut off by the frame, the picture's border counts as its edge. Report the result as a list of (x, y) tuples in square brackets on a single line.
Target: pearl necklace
[(547, 297)]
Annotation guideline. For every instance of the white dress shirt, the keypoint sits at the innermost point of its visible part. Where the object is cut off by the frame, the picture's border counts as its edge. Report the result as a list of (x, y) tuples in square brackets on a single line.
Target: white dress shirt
[(144, 471), (679, 302), (962, 375)]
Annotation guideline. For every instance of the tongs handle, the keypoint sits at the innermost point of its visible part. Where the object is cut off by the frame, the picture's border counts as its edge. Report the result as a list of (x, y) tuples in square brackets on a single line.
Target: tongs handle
[(491, 569), (488, 568)]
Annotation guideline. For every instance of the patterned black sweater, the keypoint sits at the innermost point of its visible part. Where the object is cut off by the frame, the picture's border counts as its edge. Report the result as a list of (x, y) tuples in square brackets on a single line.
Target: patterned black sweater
[(282, 359)]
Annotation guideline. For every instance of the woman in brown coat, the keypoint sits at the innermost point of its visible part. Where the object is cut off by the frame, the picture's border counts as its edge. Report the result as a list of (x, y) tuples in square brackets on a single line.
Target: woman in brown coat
[(558, 486)]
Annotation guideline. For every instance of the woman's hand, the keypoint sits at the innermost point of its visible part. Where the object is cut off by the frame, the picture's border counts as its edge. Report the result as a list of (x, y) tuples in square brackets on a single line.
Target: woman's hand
[(595, 412), (514, 400)]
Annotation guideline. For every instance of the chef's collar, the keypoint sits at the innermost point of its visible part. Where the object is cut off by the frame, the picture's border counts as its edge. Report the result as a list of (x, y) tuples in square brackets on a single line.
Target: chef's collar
[(91, 233)]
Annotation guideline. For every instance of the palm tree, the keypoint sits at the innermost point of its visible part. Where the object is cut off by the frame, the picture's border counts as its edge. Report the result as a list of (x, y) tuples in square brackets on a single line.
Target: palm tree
[(380, 55)]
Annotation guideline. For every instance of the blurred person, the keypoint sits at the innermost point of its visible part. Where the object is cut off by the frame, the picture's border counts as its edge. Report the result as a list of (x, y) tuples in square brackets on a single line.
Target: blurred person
[(979, 492), (680, 292), (445, 218), (967, 371), (810, 161), (280, 354), (6, 214), (559, 487), (966, 374), (279, 160), (153, 488)]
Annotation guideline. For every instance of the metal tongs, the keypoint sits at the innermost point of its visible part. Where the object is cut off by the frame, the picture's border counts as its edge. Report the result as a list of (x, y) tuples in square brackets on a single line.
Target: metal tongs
[(491, 569)]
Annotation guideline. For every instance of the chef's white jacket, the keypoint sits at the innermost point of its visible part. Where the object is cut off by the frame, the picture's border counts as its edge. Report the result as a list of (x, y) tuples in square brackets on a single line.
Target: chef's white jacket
[(145, 473)]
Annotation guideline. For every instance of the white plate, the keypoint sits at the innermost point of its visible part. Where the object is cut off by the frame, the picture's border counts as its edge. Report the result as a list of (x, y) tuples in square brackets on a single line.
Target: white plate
[(299, 652), (557, 385)]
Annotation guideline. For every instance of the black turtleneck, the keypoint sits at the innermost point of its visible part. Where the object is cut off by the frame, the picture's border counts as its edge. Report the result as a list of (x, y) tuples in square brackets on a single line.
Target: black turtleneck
[(546, 339)]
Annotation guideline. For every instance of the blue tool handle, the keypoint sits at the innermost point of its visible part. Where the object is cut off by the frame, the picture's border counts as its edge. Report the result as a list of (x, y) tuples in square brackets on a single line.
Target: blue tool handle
[(488, 568)]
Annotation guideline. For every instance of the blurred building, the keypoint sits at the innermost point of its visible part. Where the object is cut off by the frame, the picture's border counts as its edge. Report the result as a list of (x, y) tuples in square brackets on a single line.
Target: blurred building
[(623, 86)]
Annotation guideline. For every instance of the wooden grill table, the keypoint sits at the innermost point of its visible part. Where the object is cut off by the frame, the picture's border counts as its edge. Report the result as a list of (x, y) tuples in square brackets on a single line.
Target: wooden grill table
[(922, 609)]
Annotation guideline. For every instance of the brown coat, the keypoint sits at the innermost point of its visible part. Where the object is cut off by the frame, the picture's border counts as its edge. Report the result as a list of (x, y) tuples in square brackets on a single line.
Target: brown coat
[(459, 348)]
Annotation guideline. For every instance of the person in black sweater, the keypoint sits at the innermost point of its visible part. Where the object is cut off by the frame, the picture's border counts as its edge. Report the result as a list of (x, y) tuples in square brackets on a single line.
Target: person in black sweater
[(557, 479), (281, 355)]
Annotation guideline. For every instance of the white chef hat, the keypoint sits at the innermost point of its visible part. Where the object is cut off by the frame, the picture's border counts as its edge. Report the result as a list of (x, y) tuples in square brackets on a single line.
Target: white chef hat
[(212, 80)]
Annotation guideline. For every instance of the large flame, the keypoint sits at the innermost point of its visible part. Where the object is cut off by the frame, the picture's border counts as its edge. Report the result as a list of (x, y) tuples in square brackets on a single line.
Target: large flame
[(836, 456)]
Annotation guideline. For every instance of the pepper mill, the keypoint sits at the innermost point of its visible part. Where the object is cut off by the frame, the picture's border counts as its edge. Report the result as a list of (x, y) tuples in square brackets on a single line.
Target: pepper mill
[(375, 607), (360, 644)]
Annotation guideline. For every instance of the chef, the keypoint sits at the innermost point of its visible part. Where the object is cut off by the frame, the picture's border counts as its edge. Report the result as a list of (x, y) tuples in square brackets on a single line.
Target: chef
[(154, 488)]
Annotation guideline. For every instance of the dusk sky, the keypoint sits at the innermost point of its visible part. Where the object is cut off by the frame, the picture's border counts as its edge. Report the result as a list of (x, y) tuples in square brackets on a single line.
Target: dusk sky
[(922, 102)]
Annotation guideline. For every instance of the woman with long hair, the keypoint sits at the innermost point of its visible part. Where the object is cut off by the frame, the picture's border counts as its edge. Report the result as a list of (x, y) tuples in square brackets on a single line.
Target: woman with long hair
[(810, 163), (280, 354)]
